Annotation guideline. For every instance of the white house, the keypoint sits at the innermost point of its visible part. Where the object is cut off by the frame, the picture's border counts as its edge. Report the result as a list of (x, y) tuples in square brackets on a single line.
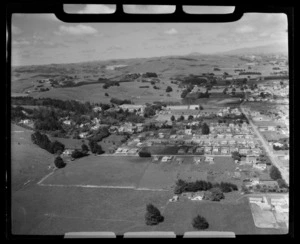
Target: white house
[(209, 159), (83, 134), (260, 166)]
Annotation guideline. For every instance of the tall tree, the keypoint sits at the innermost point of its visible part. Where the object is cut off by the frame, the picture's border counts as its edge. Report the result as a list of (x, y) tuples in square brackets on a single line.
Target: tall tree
[(153, 215)]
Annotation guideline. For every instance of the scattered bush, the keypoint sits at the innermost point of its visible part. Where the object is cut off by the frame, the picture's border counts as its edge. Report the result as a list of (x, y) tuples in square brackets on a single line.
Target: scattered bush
[(200, 223), (275, 173), (214, 194), (59, 162), (43, 142), (78, 154), (95, 147), (144, 154), (153, 215), (205, 129), (169, 89), (282, 183)]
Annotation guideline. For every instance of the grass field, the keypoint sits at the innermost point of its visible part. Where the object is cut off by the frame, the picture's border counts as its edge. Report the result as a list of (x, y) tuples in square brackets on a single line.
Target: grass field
[(56, 210), (29, 163), (220, 216), (101, 170)]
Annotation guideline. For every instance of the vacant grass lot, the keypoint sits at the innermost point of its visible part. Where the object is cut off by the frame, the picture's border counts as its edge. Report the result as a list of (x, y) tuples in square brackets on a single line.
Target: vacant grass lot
[(29, 163), (44, 210), (101, 170), (220, 216)]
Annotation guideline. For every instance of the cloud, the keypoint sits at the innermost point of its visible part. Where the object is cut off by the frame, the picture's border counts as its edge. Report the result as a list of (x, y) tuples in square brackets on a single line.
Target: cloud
[(172, 31), (245, 29), (21, 42), (149, 9), (98, 9), (88, 50), (37, 42), (15, 30), (114, 48), (76, 30)]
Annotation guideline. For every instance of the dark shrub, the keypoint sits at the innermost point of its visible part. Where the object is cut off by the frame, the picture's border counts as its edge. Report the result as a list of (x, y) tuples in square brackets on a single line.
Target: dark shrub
[(59, 162), (153, 215), (200, 223)]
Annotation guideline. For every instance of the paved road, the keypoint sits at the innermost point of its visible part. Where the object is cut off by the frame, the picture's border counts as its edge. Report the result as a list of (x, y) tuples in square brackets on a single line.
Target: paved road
[(272, 156)]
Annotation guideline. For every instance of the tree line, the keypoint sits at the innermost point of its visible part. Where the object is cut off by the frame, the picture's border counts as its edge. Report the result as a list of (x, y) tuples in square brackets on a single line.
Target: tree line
[(201, 185), (44, 142)]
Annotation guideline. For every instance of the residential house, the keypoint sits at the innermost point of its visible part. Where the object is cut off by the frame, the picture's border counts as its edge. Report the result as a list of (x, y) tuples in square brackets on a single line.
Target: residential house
[(251, 159), (182, 150), (215, 150), (67, 122), (260, 166), (209, 159), (200, 150), (190, 150), (197, 160), (83, 134), (224, 150), (265, 182), (166, 158), (243, 151), (133, 151), (67, 152), (97, 109)]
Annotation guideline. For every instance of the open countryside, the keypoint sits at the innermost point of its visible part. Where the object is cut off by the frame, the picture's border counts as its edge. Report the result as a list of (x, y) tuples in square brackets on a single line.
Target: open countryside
[(172, 143)]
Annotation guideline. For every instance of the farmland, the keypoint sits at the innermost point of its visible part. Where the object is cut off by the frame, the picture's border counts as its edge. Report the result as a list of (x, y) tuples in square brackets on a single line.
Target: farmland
[(108, 190)]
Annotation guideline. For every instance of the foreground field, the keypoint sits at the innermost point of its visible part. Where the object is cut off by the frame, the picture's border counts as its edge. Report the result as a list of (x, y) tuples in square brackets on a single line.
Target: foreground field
[(57, 210), (29, 163), (72, 199), (100, 171)]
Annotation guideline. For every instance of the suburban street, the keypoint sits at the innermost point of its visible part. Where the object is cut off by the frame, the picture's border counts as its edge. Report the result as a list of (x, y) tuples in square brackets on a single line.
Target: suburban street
[(272, 156)]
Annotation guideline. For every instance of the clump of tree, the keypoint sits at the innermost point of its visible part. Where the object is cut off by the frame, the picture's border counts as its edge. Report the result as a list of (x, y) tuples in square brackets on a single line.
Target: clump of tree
[(181, 118), (46, 120), (78, 154), (282, 184), (84, 148), (100, 134), (95, 147), (185, 92), (236, 155), (191, 117), (59, 162), (153, 215), (275, 173), (120, 101), (200, 223), (205, 129), (214, 194), (200, 185), (144, 154), (172, 118), (149, 75), (44, 142), (169, 89)]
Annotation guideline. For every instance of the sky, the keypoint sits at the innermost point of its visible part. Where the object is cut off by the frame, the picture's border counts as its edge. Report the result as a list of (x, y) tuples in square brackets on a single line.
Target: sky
[(43, 39)]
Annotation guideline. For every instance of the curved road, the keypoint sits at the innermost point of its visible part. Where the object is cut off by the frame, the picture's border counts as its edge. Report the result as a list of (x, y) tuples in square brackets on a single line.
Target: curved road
[(272, 156)]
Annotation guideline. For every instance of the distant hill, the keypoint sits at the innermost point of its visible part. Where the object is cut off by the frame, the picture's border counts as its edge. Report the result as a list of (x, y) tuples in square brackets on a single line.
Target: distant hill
[(265, 49)]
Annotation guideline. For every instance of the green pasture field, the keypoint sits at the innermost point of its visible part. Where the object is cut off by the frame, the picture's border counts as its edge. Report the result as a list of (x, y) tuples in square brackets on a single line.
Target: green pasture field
[(28, 162), (101, 171)]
